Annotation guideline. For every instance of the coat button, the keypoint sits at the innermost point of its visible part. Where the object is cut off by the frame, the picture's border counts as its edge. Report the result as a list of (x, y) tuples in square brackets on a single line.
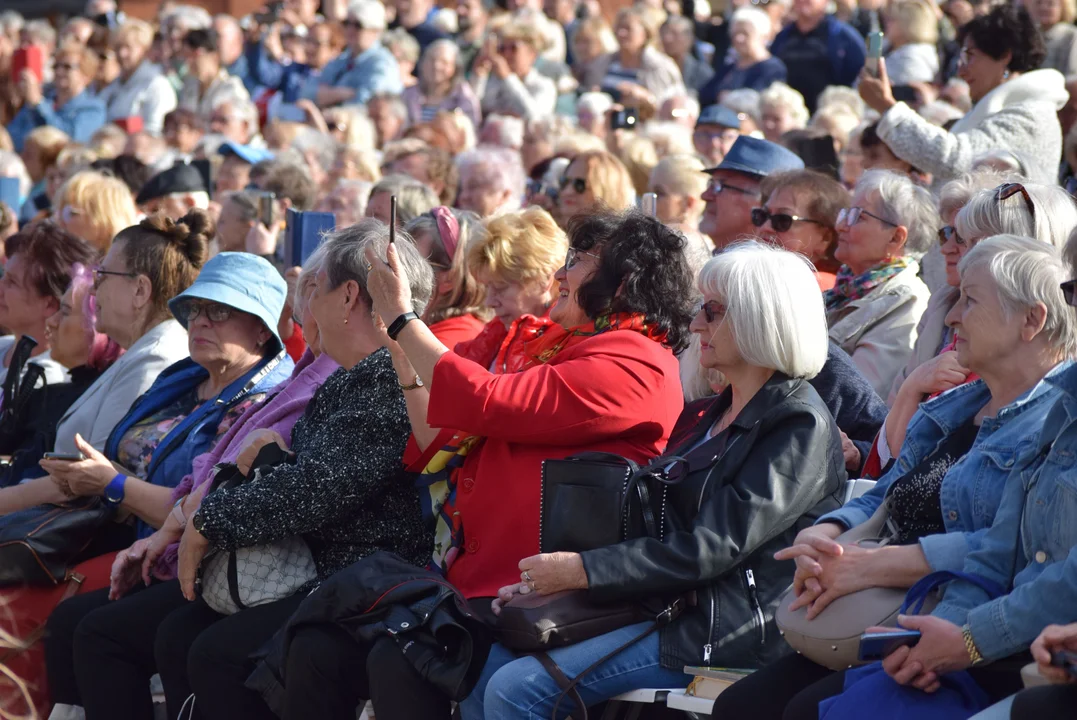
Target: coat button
[(468, 484), (473, 546), (953, 514), (1041, 557)]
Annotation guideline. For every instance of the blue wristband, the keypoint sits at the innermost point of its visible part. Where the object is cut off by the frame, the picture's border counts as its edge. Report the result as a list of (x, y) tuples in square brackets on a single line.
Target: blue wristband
[(114, 491)]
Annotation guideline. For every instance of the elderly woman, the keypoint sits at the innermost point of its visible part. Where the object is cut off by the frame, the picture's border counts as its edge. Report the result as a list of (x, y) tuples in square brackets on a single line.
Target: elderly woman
[(1015, 108), (1055, 20), (491, 181), (605, 379), (454, 313), (95, 207), (679, 183), (944, 491), (141, 89), (505, 78), (912, 29), (747, 486), (752, 66), (440, 86), (70, 106), (799, 212), (350, 126), (412, 199), (878, 299), (636, 73), (781, 109), (162, 555), (593, 178)]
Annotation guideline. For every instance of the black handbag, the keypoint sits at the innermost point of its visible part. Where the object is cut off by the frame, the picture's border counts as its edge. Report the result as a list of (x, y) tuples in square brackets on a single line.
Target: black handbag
[(39, 544)]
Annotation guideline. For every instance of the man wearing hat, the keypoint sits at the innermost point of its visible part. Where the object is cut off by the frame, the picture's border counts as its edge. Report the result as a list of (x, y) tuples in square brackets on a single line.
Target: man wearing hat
[(717, 129), (235, 171), (734, 187), (174, 191), (365, 68)]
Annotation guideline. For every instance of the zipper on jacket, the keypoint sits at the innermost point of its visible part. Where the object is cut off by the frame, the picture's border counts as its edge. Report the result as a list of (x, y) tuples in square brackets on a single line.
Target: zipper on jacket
[(757, 609), (708, 647)]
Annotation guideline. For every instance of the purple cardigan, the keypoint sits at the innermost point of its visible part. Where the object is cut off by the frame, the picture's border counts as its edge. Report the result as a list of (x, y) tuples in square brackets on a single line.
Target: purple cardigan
[(284, 405)]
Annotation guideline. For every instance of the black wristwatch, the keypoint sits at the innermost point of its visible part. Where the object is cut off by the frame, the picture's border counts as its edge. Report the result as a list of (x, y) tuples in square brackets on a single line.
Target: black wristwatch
[(196, 522), (398, 325)]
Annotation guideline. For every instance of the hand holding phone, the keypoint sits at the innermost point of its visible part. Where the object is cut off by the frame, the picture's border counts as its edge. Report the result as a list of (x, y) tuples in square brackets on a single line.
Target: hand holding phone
[(875, 52), (68, 457), (1067, 660), (876, 646)]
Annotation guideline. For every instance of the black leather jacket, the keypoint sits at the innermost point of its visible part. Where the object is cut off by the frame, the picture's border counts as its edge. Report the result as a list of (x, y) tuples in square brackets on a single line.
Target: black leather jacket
[(748, 492)]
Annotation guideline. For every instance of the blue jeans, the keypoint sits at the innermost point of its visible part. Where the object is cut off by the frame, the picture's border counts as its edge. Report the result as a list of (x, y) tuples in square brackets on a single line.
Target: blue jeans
[(519, 687)]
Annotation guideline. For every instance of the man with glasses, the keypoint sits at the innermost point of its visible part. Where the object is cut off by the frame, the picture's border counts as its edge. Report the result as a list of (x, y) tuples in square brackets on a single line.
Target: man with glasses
[(716, 130), (734, 188), (365, 68)]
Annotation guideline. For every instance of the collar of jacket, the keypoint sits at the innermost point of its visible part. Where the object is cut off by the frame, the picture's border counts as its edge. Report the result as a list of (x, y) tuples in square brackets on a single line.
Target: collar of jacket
[(774, 390)]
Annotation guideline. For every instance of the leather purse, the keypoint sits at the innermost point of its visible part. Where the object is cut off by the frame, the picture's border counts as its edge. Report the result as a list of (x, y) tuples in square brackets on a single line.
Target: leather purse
[(832, 638), (39, 544)]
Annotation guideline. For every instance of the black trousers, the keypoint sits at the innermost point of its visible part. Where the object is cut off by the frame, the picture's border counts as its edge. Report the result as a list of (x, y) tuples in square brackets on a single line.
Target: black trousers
[(1050, 702), (329, 674)]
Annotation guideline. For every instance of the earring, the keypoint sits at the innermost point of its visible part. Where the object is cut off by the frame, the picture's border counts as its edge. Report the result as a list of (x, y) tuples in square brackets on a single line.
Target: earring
[(1005, 74), (345, 321)]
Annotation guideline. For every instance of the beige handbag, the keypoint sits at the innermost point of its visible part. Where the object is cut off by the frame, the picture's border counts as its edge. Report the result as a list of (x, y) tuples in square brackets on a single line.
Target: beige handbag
[(832, 639)]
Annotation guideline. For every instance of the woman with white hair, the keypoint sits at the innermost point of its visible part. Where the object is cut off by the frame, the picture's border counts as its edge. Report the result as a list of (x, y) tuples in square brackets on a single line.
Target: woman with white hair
[(878, 299), (592, 113), (752, 65), (945, 489), (781, 109), (912, 28), (765, 452), (142, 88), (491, 181), (441, 86), (1055, 19)]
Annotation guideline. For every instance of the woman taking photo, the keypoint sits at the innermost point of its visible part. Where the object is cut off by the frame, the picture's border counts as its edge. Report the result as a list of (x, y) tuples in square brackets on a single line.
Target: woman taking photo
[(71, 106), (1015, 108), (441, 86)]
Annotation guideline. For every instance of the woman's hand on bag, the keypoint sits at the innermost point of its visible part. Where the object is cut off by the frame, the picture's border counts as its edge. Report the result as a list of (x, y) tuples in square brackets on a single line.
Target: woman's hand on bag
[(125, 569), (193, 547), (156, 546), (841, 575), (507, 593), (387, 285), (83, 477), (941, 650), (253, 444), (553, 572), (811, 544), (1052, 639)]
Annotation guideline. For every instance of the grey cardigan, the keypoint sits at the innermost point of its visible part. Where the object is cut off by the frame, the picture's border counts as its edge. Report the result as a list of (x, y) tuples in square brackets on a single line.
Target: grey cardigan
[(106, 402)]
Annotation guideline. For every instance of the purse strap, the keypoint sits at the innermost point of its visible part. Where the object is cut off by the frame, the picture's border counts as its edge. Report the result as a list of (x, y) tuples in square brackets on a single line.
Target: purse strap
[(918, 593)]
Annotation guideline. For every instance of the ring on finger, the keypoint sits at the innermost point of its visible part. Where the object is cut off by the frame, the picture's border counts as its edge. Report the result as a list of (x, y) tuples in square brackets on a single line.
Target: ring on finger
[(527, 578)]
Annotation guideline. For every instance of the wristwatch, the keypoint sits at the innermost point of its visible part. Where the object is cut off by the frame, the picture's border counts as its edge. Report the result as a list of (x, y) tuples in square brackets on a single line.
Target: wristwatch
[(398, 325), (197, 522), (414, 386), (970, 646)]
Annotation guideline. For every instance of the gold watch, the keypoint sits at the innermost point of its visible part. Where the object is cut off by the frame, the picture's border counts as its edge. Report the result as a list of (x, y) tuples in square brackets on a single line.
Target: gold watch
[(414, 386), (970, 646)]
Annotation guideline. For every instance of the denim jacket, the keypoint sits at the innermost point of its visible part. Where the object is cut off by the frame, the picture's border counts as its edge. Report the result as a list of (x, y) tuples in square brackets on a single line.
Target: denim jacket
[(80, 117), (1031, 545), (973, 487), (370, 72)]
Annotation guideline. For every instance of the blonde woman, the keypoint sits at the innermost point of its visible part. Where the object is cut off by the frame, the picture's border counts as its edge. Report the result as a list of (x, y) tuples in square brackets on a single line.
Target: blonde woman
[(440, 86), (1055, 18), (591, 42), (782, 109), (95, 207), (679, 182), (594, 178), (640, 157), (913, 31), (141, 89), (636, 73), (71, 160)]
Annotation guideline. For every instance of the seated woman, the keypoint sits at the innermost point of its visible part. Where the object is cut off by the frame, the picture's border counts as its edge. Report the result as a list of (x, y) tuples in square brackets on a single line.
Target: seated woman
[(878, 299), (604, 378), (944, 490), (455, 313), (95, 207), (777, 454), (592, 178)]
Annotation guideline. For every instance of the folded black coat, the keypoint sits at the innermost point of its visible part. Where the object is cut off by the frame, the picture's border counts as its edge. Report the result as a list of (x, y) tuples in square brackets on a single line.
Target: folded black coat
[(382, 595)]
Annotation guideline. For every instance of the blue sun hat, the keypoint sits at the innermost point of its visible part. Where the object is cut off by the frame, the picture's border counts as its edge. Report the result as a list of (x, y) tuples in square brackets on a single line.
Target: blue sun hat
[(242, 281)]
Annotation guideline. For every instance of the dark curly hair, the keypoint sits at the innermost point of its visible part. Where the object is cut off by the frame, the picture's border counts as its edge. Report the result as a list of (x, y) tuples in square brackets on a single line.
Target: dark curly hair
[(642, 269), (1007, 29)]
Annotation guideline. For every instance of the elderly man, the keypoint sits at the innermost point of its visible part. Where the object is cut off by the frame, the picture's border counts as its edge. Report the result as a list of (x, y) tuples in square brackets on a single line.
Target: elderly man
[(237, 120), (230, 48), (207, 83), (174, 192), (365, 68), (734, 188), (716, 130)]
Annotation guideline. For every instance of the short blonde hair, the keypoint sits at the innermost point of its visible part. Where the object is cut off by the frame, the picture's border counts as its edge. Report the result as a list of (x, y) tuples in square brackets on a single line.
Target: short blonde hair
[(650, 21), (640, 158), (86, 58), (366, 164), (519, 247), (524, 33), (680, 174), (577, 143), (608, 179), (599, 29), (360, 131), (105, 201), (918, 20), (139, 30), (782, 95)]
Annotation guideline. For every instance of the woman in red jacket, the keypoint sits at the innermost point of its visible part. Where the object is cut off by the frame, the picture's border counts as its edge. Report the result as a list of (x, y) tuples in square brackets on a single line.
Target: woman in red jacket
[(603, 378)]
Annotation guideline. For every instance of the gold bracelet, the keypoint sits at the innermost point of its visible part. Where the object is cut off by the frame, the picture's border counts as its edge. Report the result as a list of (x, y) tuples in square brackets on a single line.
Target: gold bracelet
[(414, 386), (970, 646)]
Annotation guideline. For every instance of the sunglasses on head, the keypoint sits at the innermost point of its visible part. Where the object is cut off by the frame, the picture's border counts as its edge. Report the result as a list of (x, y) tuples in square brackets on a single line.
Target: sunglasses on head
[(948, 233), (781, 222), (1009, 190), (578, 184)]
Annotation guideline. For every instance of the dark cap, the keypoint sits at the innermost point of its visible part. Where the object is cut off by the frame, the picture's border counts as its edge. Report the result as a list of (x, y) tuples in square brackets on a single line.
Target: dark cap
[(180, 178), (719, 115), (757, 157)]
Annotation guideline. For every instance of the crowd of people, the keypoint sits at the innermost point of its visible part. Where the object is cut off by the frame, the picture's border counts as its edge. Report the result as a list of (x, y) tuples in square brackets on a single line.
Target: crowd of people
[(730, 242)]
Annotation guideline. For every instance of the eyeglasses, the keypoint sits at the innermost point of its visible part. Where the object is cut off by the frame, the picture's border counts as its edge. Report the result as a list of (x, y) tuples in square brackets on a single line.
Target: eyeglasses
[(851, 216), (215, 312), (948, 233), (716, 186), (1069, 289), (578, 184), (65, 66), (712, 310), (573, 257), (99, 275), (352, 23), (1010, 189), (781, 222)]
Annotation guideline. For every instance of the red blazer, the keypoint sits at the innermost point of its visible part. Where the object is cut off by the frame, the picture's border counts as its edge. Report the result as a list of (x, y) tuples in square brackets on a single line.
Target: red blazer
[(454, 330), (617, 392)]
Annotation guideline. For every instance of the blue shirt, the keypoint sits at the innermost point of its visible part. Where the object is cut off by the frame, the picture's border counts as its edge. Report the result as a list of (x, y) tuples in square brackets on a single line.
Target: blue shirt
[(80, 117), (373, 71)]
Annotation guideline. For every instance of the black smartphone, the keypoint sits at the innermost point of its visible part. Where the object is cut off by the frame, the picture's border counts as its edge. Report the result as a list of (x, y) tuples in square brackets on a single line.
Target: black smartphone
[(267, 209), (626, 119), (876, 646), (69, 457)]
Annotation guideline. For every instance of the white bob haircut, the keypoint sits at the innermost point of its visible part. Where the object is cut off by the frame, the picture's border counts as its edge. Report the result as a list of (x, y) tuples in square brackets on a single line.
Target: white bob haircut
[(773, 307), (755, 17), (1026, 273), (1054, 218)]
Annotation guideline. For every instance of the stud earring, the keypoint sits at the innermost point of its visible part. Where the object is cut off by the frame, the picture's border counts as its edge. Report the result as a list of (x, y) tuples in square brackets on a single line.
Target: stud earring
[(1005, 74)]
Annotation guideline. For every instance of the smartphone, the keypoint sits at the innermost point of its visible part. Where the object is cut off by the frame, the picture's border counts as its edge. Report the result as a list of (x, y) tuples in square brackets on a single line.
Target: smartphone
[(1066, 660), (29, 57), (267, 209), (876, 646), (875, 52), (626, 119), (70, 457)]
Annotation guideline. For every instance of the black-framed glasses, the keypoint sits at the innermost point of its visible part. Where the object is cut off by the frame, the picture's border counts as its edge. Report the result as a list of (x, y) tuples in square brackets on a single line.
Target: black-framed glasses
[(712, 310), (573, 257), (1069, 288), (716, 186), (948, 233), (99, 275), (1008, 190), (851, 216), (215, 312), (578, 184), (781, 222)]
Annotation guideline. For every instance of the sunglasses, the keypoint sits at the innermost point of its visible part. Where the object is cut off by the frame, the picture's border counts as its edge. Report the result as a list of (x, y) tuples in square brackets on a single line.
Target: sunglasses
[(717, 186), (948, 233), (851, 216), (1010, 189), (573, 257), (578, 184), (781, 222), (215, 312), (712, 310), (1069, 288)]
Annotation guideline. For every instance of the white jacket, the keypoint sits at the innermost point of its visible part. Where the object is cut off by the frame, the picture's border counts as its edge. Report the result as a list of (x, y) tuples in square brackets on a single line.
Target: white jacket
[(1019, 115), (224, 87), (147, 94), (913, 63)]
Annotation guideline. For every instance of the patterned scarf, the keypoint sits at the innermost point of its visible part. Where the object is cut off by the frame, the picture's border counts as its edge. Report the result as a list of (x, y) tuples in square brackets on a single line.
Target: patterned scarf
[(851, 287), (527, 345)]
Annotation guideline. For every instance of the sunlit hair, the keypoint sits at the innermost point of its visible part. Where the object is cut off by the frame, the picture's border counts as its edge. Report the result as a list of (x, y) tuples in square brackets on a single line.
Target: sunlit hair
[(103, 350), (1053, 221), (955, 194), (104, 201), (519, 247)]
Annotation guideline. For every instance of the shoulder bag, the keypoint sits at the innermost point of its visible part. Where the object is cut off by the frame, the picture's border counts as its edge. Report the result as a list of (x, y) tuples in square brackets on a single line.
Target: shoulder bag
[(39, 544)]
